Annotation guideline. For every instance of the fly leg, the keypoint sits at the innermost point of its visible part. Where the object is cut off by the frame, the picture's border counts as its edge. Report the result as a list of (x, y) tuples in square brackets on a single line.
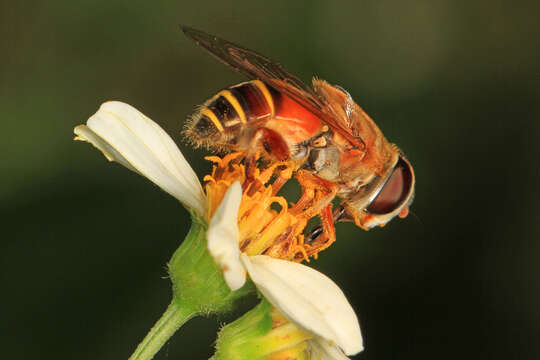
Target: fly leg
[(317, 199), (284, 176), (307, 198), (317, 193), (340, 214), (326, 233), (272, 144)]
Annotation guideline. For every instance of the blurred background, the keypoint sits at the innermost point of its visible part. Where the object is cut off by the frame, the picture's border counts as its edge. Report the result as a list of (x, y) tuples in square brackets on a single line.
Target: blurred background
[(454, 83)]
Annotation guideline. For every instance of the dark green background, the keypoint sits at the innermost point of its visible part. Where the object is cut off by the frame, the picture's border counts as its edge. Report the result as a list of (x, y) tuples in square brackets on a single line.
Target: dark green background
[(454, 83)]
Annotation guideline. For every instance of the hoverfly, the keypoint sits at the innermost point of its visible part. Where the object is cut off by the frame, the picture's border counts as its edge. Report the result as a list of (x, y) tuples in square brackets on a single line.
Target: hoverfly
[(334, 147)]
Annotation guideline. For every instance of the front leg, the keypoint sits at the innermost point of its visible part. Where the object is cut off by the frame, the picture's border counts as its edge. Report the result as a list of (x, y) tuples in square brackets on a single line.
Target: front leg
[(326, 233), (317, 193), (316, 199), (339, 214)]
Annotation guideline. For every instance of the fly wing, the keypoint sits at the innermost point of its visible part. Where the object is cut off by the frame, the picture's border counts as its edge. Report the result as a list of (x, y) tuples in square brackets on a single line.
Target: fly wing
[(357, 121), (256, 66)]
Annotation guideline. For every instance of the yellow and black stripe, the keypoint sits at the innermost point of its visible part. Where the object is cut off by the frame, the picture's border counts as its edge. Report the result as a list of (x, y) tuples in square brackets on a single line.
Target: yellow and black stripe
[(222, 118)]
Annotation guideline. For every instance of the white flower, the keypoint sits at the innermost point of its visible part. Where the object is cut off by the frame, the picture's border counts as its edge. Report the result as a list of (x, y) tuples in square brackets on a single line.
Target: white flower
[(127, 136), (305, 296)]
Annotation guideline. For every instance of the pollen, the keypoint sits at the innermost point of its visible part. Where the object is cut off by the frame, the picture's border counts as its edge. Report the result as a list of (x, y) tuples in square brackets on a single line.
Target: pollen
[(225, 171), (263, 229)]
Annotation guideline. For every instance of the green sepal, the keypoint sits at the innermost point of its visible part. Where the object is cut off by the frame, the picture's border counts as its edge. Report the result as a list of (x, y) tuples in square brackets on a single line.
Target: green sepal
[(198, 289), (198, 281)]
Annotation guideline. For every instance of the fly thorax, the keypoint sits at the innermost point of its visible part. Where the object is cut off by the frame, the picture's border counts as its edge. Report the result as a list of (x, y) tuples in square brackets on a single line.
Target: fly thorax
[(324, 162)]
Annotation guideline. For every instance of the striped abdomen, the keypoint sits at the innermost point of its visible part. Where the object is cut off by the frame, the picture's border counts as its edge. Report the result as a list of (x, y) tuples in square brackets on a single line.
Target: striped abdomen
[(232, 118)]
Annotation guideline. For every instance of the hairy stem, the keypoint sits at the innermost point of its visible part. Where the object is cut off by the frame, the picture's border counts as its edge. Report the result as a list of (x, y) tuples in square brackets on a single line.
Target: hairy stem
[(172, 319)]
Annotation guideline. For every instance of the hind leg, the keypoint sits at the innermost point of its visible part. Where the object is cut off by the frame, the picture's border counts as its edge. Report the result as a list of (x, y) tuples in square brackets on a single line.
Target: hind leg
[(274, 147)]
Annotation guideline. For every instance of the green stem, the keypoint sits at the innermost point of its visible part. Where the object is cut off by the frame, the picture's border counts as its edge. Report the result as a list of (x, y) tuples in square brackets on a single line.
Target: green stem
[(198, 288), (172, 319)]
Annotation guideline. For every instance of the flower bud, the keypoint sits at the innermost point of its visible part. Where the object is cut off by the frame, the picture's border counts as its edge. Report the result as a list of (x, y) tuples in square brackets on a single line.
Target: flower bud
[(262, 333)]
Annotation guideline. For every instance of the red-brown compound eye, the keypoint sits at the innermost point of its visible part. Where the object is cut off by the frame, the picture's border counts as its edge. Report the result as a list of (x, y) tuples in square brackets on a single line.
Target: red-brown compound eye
[(395, 191)]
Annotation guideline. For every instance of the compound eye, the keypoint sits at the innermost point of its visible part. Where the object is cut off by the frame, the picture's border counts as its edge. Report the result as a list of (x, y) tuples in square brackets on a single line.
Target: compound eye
[(395, 191)]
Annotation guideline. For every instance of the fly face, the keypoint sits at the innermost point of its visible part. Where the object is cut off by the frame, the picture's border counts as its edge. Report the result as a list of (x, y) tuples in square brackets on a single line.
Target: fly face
[(385, 197)]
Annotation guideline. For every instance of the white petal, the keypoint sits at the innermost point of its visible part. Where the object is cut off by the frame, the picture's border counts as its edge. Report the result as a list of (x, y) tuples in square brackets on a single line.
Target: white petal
[(323, 350), (127, 136), (84, 133), (308, 298), (223, 236)]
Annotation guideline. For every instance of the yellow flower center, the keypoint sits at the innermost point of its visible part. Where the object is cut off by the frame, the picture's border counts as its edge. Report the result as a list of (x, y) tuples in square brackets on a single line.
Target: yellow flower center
[(263, 230)]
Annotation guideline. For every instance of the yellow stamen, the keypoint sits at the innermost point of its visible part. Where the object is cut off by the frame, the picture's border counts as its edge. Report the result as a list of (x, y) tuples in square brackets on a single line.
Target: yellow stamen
[(224, 173), (263, 230)]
